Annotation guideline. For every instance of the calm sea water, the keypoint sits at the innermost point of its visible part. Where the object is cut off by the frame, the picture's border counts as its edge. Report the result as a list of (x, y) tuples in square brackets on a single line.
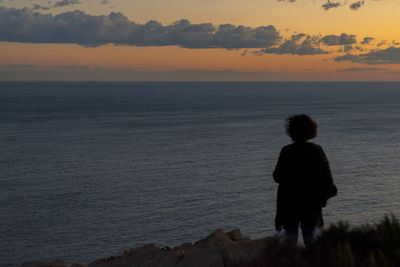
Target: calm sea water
[(90, 169)]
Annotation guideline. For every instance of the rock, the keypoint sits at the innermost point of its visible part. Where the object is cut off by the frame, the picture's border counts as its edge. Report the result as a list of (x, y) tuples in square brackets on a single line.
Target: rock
[(213, 238), (154, 258), (254, 248), (164, 259), (205, 257), (149, 248), (182, 249), (235, 235), (184, 246), (234, 256), (216, 250)]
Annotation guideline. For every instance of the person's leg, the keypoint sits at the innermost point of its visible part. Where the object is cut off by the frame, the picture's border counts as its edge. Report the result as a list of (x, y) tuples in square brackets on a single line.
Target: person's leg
[(308, 235), (292, 234), (308, 222)]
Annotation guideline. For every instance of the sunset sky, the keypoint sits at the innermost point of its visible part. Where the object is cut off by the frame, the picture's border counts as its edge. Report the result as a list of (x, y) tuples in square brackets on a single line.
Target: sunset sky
[(260, 40)]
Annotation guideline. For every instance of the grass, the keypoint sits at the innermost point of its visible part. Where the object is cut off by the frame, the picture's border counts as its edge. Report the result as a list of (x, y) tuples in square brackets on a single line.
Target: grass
[(341, 246)]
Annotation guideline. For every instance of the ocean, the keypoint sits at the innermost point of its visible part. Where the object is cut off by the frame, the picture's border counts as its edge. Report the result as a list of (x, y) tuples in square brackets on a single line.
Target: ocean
[(88, 169)]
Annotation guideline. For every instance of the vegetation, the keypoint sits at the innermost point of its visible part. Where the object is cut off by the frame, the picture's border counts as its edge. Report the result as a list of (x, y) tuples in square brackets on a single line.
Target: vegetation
[(340, 245)]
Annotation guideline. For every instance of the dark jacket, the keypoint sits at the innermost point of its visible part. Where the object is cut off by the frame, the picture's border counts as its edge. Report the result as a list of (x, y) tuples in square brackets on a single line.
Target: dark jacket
[(305, 184)]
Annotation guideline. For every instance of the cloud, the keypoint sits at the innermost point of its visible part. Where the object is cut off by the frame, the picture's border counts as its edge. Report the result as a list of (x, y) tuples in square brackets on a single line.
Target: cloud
[(347, 57), (299, 44), (346, 48), (343, 39), (358, 48), (77, 27), (17, 66), (355, 69), (381, 43), (63, 3), (40, 7), (328, 5), (367, 40), (42, 67), (29, 72), (356, 5), (389, 55)]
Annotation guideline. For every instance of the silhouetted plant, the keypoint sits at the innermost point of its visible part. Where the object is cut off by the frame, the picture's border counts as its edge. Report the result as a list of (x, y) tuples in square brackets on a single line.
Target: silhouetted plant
[(341, 246), (345, 255)]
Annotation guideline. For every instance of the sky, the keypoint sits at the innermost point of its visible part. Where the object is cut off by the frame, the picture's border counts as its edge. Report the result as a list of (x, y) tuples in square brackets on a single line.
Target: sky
[(193, 40)]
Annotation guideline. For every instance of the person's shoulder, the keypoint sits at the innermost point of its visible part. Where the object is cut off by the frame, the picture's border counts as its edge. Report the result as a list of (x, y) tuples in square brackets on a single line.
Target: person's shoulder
[(312, 144), (315, 147), (288, 147), (285, 149)]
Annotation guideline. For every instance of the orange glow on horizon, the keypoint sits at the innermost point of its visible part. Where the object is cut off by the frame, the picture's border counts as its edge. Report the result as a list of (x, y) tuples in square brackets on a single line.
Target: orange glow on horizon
[(286, 67)]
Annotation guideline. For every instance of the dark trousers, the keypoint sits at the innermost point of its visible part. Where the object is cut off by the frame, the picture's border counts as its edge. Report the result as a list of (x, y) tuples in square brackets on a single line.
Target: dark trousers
[(307, 219), (292, 235)]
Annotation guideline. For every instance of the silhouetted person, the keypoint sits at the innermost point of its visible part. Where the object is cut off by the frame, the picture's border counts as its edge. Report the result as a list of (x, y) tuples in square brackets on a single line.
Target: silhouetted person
[(305, 181)]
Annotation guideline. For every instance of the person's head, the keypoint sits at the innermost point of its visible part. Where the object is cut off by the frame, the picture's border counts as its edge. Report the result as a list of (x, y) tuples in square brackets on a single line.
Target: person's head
[(301, 128)]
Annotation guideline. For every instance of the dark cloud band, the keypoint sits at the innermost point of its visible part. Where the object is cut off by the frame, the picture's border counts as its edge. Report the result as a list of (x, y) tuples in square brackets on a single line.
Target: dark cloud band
[(29, 72), (299, 44), (343, 39), (367, 40), (77, 27), (389, 55), (328, 5), (356, 5), (356, 69), (62, 3)]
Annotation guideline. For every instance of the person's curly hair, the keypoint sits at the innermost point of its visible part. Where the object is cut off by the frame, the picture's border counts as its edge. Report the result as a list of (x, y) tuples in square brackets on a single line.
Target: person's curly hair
[(301, 128)]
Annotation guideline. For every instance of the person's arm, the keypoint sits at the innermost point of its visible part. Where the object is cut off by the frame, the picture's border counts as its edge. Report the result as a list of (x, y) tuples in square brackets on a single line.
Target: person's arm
[(329, 186), (279, 172)]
